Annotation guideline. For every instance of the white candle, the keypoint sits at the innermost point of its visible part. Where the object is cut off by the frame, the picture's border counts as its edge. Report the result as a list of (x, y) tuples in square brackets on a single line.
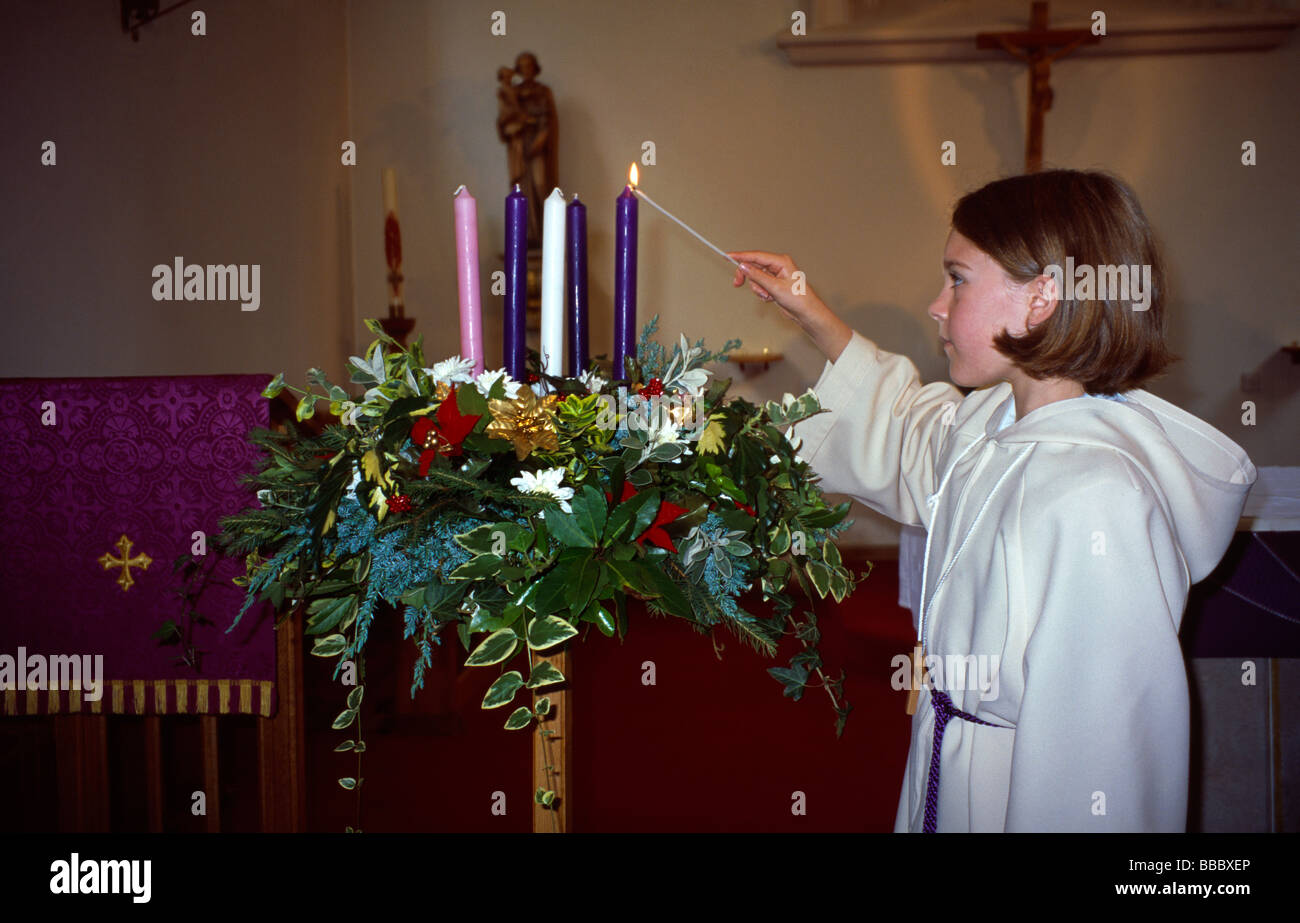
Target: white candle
[(552, 340)]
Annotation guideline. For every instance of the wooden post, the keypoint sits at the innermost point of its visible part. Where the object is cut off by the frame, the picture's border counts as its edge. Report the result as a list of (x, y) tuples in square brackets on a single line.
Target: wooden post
[(281, 744), (554, 750)]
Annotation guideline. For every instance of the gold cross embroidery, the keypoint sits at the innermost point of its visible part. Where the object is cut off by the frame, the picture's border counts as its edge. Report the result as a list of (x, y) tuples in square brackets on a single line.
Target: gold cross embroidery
[(126, 562)]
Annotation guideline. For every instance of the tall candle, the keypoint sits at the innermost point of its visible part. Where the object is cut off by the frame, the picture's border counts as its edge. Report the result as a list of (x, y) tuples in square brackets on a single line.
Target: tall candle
[(390, 191), (552, 339), (624, 281), (516, 303), (576, 258), (471, 312)]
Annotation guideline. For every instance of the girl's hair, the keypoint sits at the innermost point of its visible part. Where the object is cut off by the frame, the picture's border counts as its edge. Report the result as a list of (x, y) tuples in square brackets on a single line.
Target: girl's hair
[(1028, 223)]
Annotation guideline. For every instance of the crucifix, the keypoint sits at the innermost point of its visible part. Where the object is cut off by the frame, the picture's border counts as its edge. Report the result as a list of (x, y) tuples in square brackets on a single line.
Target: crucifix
[(1035, 48)]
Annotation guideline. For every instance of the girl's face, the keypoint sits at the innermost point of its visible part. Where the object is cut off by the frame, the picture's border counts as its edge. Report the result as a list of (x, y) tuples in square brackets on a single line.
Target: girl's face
[(978, 301)]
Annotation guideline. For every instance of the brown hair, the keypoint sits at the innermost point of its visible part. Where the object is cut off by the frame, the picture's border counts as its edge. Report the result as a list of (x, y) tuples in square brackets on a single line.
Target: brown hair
[(1028, 223)]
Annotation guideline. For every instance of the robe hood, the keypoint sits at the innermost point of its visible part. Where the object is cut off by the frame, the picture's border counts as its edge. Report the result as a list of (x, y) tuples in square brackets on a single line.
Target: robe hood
[(1200, 474)]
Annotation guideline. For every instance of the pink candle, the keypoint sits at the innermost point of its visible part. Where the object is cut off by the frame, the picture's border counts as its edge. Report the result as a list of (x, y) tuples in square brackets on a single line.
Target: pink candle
[(471, 312)]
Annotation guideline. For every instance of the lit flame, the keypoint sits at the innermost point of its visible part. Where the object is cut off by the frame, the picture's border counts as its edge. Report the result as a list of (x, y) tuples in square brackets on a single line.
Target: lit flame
[(631, 176)]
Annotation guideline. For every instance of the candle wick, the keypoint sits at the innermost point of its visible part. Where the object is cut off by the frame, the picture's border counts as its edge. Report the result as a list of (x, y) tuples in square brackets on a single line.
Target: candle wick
[(459, 189)]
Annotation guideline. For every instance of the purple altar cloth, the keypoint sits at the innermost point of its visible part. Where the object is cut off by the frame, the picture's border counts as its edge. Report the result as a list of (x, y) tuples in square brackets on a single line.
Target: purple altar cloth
[(98, 470)]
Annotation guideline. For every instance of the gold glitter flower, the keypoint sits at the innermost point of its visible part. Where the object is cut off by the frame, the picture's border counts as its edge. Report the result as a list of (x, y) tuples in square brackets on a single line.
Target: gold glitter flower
[(526, 421)]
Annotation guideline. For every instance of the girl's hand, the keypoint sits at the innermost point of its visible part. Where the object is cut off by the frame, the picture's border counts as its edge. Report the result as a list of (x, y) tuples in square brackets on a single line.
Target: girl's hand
[(771, 276)]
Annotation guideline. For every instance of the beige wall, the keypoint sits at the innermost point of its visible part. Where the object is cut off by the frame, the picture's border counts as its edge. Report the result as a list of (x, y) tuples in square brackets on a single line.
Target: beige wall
[(837, 166), (220, 149)]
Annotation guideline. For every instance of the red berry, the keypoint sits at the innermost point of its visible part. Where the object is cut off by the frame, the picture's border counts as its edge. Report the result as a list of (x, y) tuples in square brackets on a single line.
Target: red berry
[(532, 378), (399, 503)]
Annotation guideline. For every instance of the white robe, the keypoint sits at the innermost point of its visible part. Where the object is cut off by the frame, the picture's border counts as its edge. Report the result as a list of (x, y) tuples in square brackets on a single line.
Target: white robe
[(1059, 553)]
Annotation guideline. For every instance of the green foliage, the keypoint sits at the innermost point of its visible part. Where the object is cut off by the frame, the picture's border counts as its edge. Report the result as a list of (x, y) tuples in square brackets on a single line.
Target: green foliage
[(357, 516)]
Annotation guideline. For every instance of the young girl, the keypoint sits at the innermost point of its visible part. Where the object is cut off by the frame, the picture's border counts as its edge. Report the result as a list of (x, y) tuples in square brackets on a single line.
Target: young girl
[(1067, 511)]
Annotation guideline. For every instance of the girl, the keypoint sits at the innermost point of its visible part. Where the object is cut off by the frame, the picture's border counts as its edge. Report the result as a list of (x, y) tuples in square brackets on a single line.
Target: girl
[(1067, 511)]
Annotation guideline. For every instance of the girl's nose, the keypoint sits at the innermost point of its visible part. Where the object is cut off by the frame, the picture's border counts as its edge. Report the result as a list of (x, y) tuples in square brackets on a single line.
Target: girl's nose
[(939, 308)]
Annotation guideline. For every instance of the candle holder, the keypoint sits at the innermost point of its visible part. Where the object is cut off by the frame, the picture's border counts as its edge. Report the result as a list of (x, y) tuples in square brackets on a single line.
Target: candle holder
[(397, 325), (749, 362)]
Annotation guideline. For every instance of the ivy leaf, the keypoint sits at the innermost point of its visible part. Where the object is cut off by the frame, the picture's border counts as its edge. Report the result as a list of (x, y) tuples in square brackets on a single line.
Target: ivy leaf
[(495, 648), (544, 674), (345, 746), (503, 690), (326, 614), (354, 697), (329, 646), (521, 717), (548, 631), (793, 678), (820, 575), (484, 565), (349, 783), (344, 719)]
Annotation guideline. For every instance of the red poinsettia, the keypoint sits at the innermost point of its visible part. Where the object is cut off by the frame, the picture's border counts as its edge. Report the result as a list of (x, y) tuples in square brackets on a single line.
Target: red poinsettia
[(668, 512), (444, 433)]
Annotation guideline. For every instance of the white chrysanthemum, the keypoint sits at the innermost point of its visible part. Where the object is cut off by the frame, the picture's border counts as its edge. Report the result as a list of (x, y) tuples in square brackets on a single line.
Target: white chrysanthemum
[(592, 382), (452, 370), (664, 435), (545, 484), (486, 380)]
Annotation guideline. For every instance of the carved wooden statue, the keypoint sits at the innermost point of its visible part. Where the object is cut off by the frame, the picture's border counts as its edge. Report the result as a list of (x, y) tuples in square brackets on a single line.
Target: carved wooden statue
[(527, 125)]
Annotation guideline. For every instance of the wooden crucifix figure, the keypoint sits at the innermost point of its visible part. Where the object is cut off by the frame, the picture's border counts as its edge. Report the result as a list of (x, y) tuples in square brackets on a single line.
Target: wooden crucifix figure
[(1035, 48)]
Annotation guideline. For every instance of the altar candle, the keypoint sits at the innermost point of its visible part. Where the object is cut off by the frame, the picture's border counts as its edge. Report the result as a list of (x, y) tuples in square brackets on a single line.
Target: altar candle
[(576, 228), (516, 302), (625, 277), (552, 339), (471, 314), (390, 191)]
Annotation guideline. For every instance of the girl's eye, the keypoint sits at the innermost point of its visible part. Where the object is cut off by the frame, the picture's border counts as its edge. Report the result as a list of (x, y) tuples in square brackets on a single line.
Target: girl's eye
[(956, 279)]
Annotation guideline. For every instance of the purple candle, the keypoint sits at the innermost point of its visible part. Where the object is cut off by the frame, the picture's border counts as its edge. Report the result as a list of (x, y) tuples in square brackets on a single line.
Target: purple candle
[(625, 279), (576, 257), (516, 301)]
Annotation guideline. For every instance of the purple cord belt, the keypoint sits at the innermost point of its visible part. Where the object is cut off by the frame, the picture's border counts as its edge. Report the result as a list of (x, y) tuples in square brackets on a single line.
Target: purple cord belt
[(944, 710)]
